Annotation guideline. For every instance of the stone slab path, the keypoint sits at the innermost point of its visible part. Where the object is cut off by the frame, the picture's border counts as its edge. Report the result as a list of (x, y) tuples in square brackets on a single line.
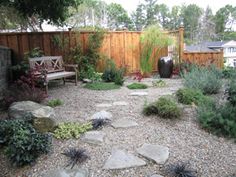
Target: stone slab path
[(121, 159), (124, 123)]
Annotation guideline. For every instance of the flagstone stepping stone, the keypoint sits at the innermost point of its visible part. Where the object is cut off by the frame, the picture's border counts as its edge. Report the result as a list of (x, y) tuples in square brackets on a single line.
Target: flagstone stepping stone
[(157, 153), (124, 123), (121, 159), (139, 94), (103, 105), (102, 115), (155, 175), (75, 172), (120, 103), (93, 137)]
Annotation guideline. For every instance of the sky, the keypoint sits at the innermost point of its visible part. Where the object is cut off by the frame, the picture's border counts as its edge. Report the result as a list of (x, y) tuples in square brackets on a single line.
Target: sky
[(130, 5)]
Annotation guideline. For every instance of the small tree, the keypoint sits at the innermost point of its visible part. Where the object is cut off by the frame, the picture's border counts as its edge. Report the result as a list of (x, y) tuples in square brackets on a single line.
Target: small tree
[(152, 40)]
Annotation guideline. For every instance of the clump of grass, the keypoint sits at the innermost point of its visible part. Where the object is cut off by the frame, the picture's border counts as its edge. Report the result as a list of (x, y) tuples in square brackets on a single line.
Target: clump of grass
[(189, 96), (137, 86), (55, 102), (164, 107), (102, 86), (75, 156)]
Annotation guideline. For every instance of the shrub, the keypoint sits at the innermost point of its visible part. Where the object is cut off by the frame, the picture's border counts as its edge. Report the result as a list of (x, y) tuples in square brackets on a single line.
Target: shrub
[(231, 91), (164, 107), (112, 74), (218, 119), (54, 103), (208, 80), (101, 86), (119, 77), (69, 130), (137, 86), (229, 72), (189, 96), (24, 90), (23, 144)]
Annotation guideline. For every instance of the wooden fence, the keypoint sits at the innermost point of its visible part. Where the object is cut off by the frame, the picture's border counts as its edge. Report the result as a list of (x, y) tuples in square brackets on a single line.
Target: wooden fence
[(122, 46), (204, 58)]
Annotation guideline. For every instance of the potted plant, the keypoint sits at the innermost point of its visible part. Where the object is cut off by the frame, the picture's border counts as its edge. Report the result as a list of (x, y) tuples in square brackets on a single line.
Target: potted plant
[(152, 41)]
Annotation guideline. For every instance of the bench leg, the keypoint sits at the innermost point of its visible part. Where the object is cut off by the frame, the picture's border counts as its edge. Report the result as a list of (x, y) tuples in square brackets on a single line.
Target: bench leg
[(64, 80), (76, 79), (46, 87)]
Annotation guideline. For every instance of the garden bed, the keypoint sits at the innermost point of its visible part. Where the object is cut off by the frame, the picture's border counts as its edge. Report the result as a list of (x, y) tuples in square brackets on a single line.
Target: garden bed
[(211, 156)]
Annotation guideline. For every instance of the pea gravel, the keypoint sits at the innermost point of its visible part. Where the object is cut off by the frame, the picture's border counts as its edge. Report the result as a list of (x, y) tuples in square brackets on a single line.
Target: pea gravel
[(211, 156)]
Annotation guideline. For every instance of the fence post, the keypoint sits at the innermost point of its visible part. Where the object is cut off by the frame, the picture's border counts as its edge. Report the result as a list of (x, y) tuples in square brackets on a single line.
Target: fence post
[(181, 43)]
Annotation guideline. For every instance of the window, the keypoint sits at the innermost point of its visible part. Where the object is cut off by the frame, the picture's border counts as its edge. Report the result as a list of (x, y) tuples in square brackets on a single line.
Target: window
[(231, 50)]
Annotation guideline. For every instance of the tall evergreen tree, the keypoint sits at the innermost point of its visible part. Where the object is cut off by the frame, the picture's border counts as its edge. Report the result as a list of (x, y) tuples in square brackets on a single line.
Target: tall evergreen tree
[(138, 17)]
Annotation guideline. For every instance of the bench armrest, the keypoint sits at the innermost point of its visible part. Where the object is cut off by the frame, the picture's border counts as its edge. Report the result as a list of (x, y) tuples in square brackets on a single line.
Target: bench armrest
[(74, 66)]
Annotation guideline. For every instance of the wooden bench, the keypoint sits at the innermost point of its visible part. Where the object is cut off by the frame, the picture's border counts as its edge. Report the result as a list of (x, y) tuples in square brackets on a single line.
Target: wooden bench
[(51, 68)]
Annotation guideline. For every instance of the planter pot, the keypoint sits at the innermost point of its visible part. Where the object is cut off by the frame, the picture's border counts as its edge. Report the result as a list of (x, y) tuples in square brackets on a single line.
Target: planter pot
[(165, 67)]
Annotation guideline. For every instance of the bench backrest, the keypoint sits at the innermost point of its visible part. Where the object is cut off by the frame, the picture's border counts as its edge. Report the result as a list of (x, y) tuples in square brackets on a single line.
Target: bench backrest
[(50, 63)]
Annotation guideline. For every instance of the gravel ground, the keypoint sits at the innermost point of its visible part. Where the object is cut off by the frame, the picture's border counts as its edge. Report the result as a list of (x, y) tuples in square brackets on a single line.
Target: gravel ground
[(211, 156)]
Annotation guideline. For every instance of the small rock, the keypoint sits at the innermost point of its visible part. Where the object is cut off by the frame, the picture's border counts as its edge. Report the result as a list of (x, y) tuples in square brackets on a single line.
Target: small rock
[(102, 115), (121, 159), (75, 172), (120, 103), (124, 123), (87, 81), (154, 152), (103, 105), (93, 137), (139, 94)]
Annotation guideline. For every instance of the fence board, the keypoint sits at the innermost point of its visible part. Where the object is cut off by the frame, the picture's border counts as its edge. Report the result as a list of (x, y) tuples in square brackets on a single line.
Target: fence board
[(204, 58)]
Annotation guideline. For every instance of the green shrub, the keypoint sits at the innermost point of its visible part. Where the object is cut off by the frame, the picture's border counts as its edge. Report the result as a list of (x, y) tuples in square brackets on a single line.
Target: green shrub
[(119, 77), (208, 80), (112, 74), (137, 86), (164, 107), (109, 73), (218, 119), (231, 91), (101, 86), (23, 144), (54, 103), (189, 96), (229, 72), (69, 130)]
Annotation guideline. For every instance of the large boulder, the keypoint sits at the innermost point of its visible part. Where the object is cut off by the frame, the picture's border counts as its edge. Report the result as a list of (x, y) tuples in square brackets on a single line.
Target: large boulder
[(43, 117)]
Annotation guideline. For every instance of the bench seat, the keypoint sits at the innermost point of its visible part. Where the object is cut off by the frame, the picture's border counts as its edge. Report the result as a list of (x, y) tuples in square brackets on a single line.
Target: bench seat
[(58, 75)]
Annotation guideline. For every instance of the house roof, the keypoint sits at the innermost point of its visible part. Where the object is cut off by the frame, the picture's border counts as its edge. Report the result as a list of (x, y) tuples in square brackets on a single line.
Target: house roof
[(207, 46)]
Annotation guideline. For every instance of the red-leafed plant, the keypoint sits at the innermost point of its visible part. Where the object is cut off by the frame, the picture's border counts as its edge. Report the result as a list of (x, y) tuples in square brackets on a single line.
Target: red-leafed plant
[(138, 76), (24, 89)]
